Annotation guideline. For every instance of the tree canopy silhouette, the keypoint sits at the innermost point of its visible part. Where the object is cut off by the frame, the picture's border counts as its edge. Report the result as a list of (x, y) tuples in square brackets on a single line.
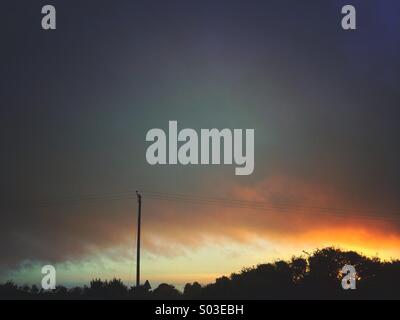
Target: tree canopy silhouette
[(317, 276)]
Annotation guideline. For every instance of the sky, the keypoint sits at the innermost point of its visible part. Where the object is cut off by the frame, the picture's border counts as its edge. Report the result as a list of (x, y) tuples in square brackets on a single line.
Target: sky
[(77, 102)]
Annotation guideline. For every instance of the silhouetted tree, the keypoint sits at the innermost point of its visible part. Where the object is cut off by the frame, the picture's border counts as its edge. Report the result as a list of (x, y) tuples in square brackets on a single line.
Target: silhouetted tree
[(192, 291), (317, 276), (166, 291)]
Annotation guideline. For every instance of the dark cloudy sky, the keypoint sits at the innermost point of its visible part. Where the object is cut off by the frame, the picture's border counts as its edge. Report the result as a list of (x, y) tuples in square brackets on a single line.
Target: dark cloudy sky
[(76, 104)]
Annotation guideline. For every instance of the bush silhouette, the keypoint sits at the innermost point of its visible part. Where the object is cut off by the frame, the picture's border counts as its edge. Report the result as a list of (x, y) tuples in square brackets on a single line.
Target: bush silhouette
[(166, 291), (316, 277)]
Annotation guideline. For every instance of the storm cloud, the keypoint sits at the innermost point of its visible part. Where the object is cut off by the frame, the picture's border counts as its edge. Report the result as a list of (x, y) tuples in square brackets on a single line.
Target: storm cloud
[(79, 101)]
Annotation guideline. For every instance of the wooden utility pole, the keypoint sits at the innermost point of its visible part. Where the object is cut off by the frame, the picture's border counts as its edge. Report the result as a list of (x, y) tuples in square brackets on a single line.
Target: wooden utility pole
[(139, 198)]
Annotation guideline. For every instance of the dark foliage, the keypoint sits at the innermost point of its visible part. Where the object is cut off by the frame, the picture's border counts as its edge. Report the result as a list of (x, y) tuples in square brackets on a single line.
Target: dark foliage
[(316, 277)]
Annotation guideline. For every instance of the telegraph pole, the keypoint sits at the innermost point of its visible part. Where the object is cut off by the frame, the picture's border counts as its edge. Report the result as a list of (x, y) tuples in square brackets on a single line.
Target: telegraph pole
[(139, 198)]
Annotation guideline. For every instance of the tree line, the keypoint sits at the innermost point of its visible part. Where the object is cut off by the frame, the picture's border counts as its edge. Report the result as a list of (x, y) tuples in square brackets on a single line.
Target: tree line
[(317, 276)]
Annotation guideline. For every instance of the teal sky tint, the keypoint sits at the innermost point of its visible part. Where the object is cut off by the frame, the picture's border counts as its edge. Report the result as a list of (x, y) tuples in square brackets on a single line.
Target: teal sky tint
[(79, 101)]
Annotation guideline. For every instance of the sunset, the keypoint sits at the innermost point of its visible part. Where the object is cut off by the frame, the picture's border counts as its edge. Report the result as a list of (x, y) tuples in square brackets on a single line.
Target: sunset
[(253, 134)]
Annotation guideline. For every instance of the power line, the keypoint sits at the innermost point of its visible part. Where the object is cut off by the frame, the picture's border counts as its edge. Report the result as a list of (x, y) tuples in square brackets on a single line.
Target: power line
[(278, 205), (215, 201), (272, 209)]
